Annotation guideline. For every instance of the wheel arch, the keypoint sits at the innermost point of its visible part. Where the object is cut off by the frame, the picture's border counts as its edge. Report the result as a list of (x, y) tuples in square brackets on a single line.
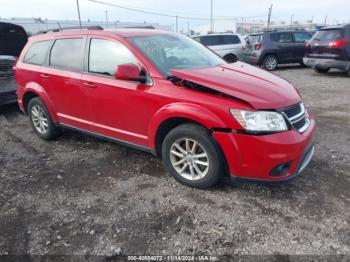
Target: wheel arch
[(174, 115), (33, 90)]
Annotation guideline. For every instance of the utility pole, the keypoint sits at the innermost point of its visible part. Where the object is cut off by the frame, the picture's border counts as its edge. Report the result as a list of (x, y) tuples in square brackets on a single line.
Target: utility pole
[(188, 28), (79, 13), (291, 20), (107, 18), (325, 20), (269, 17), (211, 16), (177, 24)]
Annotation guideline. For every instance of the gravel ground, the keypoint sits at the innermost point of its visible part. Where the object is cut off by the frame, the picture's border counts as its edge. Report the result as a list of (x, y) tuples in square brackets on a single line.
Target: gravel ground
[(83, 196)]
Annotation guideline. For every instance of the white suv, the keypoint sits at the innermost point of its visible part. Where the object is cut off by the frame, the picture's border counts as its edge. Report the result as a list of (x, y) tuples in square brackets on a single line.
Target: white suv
[(229, 46)]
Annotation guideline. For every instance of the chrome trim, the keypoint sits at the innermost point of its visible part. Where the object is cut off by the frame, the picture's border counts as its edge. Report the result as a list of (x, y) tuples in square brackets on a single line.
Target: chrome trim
[(301, 105), (306, 126), (307, 160)]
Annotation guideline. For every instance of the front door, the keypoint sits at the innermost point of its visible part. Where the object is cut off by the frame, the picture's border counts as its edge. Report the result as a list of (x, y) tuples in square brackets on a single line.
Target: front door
[(118, 109)]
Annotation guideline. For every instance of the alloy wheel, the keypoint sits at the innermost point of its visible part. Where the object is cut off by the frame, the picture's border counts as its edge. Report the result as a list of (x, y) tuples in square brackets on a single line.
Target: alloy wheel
[(39, 119), (189, 159), (270, 63)]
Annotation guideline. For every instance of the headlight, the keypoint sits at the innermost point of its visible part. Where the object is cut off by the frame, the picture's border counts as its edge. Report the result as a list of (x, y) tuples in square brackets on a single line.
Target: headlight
[(260, 121)]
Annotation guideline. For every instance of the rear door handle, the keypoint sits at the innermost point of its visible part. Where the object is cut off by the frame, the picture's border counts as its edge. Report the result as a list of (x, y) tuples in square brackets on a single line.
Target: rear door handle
[(45, 76), (90, 85)]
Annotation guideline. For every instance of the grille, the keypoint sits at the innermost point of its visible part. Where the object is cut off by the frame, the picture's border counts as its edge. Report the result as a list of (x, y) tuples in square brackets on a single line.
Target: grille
[(297, 116)]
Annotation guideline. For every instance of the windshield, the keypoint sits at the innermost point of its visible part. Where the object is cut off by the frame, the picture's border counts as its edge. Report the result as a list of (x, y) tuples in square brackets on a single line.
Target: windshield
[(175, 52), (254, 39)]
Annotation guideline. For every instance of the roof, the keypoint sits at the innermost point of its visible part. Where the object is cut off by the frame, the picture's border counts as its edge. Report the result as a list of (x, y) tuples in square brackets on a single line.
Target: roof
[(335, 27), (216, 34), (122, 32)]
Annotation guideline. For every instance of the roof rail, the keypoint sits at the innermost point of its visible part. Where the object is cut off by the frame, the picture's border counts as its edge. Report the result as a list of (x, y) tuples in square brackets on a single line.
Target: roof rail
[(60, 29)]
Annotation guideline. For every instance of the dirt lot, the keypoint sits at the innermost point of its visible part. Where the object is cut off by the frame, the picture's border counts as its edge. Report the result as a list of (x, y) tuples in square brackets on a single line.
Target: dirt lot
[(83, 196)]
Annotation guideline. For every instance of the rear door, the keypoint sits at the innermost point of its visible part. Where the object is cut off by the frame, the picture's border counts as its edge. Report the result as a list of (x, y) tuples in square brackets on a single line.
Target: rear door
[(62, 80), (299, 41), (284, 46)]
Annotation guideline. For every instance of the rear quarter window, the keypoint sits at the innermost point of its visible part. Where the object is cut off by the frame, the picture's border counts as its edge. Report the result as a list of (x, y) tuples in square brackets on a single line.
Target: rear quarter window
[(36, 53), (301, 37), (68, 54)]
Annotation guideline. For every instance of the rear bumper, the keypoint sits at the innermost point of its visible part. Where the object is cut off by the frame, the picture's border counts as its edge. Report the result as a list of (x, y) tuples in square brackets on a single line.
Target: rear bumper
[(252, 59), (8, 98), (254, 158), (326, 63)]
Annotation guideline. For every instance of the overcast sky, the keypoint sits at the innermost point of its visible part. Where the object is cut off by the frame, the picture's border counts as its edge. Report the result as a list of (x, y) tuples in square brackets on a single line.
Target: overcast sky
[(302, 10)]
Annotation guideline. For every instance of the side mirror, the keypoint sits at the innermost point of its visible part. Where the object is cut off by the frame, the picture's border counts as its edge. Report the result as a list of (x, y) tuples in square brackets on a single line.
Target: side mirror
[(130, 72)]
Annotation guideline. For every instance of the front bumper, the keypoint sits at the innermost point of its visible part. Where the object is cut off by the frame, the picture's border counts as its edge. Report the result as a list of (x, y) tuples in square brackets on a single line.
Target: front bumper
[(326, 63), (251, 157)]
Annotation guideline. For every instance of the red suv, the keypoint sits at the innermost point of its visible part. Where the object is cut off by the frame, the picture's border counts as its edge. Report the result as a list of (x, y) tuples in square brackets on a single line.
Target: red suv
[(167, 94)]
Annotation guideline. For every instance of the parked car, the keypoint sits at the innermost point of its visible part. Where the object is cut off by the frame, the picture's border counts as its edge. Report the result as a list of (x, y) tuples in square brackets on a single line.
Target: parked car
[(329, 48), (269, 49), (228, 46), (205, 118), (12, 40), (7, 81)]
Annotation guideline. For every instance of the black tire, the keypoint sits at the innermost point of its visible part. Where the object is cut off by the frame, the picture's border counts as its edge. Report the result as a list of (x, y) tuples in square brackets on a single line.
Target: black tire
[(215, 158), (52, 131), (348, 72), (270, 62), (321, 70), (231, 58)]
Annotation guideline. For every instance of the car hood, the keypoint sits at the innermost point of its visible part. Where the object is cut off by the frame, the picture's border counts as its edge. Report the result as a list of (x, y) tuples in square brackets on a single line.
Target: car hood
[(255, 86)]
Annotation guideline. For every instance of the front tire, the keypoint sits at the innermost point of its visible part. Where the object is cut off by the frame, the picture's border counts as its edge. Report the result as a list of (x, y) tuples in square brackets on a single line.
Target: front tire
[(321, 70), (41, 120), (192, 156), (270, 62)]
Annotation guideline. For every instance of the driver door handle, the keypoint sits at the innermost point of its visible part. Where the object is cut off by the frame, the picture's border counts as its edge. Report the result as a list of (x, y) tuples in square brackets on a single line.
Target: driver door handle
[(89, 84)]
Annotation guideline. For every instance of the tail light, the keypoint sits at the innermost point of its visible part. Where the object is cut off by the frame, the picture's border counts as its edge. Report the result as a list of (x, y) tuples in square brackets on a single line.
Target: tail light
[(258, 46), (338, 43)]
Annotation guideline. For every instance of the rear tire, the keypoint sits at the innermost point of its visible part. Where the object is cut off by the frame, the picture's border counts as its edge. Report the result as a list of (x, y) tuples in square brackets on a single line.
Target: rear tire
[(321, 70), (231, 58), (192, 156), (270, 62), (41, 120), (348, 72)]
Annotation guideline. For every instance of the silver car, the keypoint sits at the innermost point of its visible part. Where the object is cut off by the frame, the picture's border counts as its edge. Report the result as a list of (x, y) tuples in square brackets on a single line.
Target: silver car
[(229, 46)]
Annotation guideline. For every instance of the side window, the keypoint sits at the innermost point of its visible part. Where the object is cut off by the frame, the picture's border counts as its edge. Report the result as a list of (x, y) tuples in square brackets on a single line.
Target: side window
[(106, 55), (68, 54), (301, 37), (198, 39), (37, 53), (210, 40), (282, 37), (230, 40)]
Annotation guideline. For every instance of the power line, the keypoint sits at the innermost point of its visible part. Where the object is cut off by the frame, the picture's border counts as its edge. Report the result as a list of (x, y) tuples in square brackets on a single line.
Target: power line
[(145, 11)]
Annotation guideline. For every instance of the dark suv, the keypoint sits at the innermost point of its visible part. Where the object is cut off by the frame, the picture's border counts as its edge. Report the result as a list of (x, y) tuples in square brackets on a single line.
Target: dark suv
[(329, 48), (12, 40), (271, 48)]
